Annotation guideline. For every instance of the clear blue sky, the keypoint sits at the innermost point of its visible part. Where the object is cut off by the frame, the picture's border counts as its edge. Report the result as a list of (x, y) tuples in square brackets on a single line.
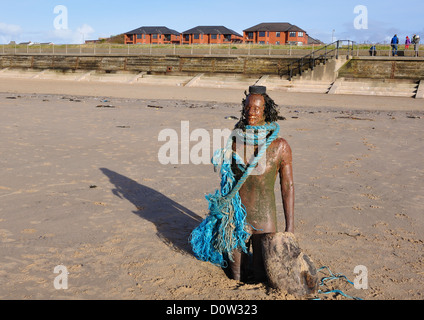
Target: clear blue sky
[(25, 20)]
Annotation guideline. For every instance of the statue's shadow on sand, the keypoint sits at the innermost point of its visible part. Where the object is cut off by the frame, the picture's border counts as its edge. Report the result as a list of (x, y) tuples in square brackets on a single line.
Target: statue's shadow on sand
[(174, 222)]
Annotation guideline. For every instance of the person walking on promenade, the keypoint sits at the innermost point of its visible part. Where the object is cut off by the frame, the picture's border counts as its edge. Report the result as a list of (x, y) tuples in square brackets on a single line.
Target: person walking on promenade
[(407, 43), (416, 42), (394, 43)]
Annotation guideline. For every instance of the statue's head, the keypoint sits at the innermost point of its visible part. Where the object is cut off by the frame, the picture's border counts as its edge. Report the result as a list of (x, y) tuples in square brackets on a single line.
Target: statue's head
[(258, 108)]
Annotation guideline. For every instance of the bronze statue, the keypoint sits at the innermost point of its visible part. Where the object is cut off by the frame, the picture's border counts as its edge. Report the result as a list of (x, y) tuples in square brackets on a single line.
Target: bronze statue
[(243, 212), (257, 193)]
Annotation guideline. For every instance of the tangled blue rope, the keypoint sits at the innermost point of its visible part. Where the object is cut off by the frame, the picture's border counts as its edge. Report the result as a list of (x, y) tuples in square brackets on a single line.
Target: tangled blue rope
[(334, 276), (224, 229)]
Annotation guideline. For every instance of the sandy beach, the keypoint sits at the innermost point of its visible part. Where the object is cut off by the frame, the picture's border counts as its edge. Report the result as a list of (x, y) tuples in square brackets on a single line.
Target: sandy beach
[(81, 186)]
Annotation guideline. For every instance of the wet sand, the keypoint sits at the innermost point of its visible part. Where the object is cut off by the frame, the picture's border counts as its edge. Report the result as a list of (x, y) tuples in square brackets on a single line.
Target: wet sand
[(81, 186)]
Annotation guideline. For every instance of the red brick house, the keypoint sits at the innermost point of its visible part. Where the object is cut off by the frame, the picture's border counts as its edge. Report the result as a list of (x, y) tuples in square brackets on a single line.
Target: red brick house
[(210, 35), (152, 35), (275, 33)]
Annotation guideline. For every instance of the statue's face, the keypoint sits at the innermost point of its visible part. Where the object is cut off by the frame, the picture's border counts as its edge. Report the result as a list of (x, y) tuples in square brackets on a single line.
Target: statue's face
[(254, 110)]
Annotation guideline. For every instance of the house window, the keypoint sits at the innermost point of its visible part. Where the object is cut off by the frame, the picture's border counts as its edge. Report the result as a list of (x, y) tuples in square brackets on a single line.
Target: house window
[(154, 36), (139, 36), (213, 36), (186, 37), (277, 34), (250, 35), (300, 34), (196, 36), (261, 33), (293, 34)]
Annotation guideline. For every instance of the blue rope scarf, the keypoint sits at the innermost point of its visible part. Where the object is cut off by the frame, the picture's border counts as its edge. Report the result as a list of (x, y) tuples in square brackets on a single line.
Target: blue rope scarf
[(224, 229)]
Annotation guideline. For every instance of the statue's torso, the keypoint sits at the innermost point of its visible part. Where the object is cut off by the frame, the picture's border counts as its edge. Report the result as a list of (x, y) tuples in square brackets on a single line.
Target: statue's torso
[(257, 193)]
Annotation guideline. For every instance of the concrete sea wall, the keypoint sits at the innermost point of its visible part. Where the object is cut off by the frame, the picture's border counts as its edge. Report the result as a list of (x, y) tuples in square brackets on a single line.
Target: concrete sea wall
[(247, 65), (383, 68), (362, 67)]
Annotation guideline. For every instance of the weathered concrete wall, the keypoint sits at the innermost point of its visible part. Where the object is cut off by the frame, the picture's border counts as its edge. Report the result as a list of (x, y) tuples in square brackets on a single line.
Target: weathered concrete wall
[(248, 65), (384, 68), (362, 67)]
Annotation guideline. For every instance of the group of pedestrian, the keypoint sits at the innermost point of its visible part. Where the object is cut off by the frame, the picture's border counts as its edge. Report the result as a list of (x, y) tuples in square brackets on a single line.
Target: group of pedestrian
[(415, 41)]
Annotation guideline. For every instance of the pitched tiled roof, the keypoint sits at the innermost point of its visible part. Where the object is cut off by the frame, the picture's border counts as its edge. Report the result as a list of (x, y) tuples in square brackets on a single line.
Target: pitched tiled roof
[(274, 26), (314, 41), (153, 30), (211, 30)]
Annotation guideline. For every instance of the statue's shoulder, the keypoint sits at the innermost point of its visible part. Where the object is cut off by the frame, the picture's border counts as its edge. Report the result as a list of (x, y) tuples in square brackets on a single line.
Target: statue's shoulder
[(282, 144), (283, 150)]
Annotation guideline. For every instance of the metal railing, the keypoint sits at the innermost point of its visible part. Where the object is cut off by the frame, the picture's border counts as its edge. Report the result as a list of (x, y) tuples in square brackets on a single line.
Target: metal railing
[(288, 50), (225, 49), (322, 55)]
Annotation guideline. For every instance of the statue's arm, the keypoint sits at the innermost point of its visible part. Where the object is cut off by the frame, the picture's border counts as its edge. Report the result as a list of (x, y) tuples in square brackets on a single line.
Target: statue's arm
[(287, 185)]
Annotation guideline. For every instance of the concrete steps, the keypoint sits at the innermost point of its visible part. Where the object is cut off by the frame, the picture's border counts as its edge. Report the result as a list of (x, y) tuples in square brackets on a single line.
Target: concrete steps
[(310, 86), (165, 80), (391, 88), (376, 87), (278, 84), (224, 81), (18, 73), (323, 71), (55, 75)]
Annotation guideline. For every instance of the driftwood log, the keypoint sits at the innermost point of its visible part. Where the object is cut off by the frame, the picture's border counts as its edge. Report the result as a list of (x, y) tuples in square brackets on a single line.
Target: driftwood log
[(287, 267)]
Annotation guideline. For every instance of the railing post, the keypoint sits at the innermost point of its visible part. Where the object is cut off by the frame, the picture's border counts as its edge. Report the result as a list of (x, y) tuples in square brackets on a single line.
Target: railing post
[(350, 49), (337, 50), (312, 60), (300, 66), (325, 55)]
